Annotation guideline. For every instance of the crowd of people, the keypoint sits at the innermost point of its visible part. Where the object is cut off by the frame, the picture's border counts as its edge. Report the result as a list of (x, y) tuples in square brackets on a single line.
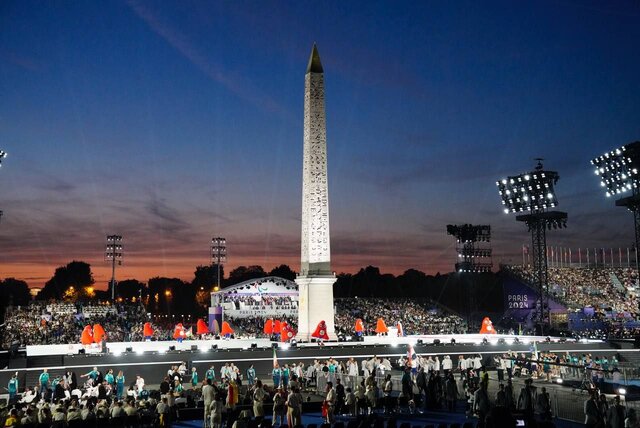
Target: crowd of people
[(260, 301), (355, 388), (62, 323), (415, 316), (605, 289)]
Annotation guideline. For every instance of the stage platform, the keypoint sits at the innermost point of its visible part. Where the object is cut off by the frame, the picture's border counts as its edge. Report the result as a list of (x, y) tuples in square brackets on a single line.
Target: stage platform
[(240, 344)]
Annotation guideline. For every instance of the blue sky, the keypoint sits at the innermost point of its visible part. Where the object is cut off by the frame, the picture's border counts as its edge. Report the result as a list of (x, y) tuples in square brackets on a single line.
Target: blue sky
[(171, 122)]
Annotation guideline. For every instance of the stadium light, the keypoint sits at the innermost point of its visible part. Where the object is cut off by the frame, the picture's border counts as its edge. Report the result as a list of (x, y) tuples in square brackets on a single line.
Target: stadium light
[(113, 253), (218, 254), (619, 172), (532, 195)]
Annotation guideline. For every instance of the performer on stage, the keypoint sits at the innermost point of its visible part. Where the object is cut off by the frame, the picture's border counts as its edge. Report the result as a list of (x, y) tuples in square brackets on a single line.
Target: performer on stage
[(400, 330), (381, 327), (202, 327), (359, 328), (268, 327), (147, 331), (226, 331), (287, 332), (179, 333), (86, 338), (98, 333), (321, 333), (487, 327), (277, 329)]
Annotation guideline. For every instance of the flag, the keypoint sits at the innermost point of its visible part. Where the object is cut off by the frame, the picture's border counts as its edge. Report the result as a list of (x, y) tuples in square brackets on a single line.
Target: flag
[(410, 353), (275, 358)]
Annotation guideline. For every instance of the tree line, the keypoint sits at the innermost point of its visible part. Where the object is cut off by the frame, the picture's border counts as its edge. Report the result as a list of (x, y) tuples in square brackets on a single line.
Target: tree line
[(462, 293)]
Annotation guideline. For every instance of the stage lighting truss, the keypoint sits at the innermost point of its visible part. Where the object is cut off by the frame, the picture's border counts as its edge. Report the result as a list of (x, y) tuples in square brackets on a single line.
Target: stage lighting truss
[(619, 169), (473, 247), (532, 191), (470, 232)]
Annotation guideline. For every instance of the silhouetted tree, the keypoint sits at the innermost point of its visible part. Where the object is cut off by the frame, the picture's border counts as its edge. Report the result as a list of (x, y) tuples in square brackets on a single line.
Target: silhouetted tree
[(130, 288), (283, 271), (75, 274), (13, 292), (244, 273), (206, 277)]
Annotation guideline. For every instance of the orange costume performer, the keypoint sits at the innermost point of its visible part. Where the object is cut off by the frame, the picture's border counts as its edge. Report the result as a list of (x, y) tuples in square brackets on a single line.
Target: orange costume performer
[(178, 333), (268, 327), (287, 333), (321, 331), (381, 327), (147, 331), (98, 333), (201, 327), (226, 331), (359, 327), (487, 327), (400, 330), (87, 336)]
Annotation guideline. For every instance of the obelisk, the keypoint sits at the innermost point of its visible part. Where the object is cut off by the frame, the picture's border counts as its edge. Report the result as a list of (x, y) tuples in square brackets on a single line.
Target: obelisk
[(315, 281)]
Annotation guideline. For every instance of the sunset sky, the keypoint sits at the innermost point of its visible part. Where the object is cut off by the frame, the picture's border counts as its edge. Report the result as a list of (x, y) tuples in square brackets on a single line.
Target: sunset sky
[(172, 122)]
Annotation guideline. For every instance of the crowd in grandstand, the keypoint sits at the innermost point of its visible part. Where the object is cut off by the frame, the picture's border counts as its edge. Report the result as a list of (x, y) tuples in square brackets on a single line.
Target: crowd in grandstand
[(416, 317), (261, 301), (60, 323), (606, 289)]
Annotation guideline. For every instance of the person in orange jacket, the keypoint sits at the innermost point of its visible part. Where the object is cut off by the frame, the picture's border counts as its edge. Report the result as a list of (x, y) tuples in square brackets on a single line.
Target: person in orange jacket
[(381, 327)]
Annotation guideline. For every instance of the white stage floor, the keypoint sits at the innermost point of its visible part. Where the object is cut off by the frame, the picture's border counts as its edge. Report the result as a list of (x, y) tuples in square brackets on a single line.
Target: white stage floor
[(163, 346)]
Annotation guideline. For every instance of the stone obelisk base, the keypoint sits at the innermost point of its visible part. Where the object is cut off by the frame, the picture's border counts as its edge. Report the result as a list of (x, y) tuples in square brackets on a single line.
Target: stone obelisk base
[(315, 304)]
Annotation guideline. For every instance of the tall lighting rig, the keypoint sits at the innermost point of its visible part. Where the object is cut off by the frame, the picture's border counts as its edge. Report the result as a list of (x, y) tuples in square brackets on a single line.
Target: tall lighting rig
[(533, 195), (3, 155), (473, 247), (619, 176), (113, 253), (218, 254)]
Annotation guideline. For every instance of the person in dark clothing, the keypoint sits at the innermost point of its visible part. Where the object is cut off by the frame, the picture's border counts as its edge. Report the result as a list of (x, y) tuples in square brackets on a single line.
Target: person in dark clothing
[(165, 386), (421, 383), (616, 414), (407, 385), (340, 397)]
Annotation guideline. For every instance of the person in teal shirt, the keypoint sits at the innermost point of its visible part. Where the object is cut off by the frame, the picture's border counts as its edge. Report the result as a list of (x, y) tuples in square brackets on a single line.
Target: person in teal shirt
[(93, 374), (13, 388), (177, 387), (194, 377), (276, 373), (109, 377), (120, 385), (44, 382), (251, 375), (285, 376), (211, 374)]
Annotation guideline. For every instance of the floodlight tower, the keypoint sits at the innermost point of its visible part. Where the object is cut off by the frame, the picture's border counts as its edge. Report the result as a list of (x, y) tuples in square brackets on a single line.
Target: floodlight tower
[(618, 171), (113, 254), (533, 193), (218, 253), (3, 155)]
